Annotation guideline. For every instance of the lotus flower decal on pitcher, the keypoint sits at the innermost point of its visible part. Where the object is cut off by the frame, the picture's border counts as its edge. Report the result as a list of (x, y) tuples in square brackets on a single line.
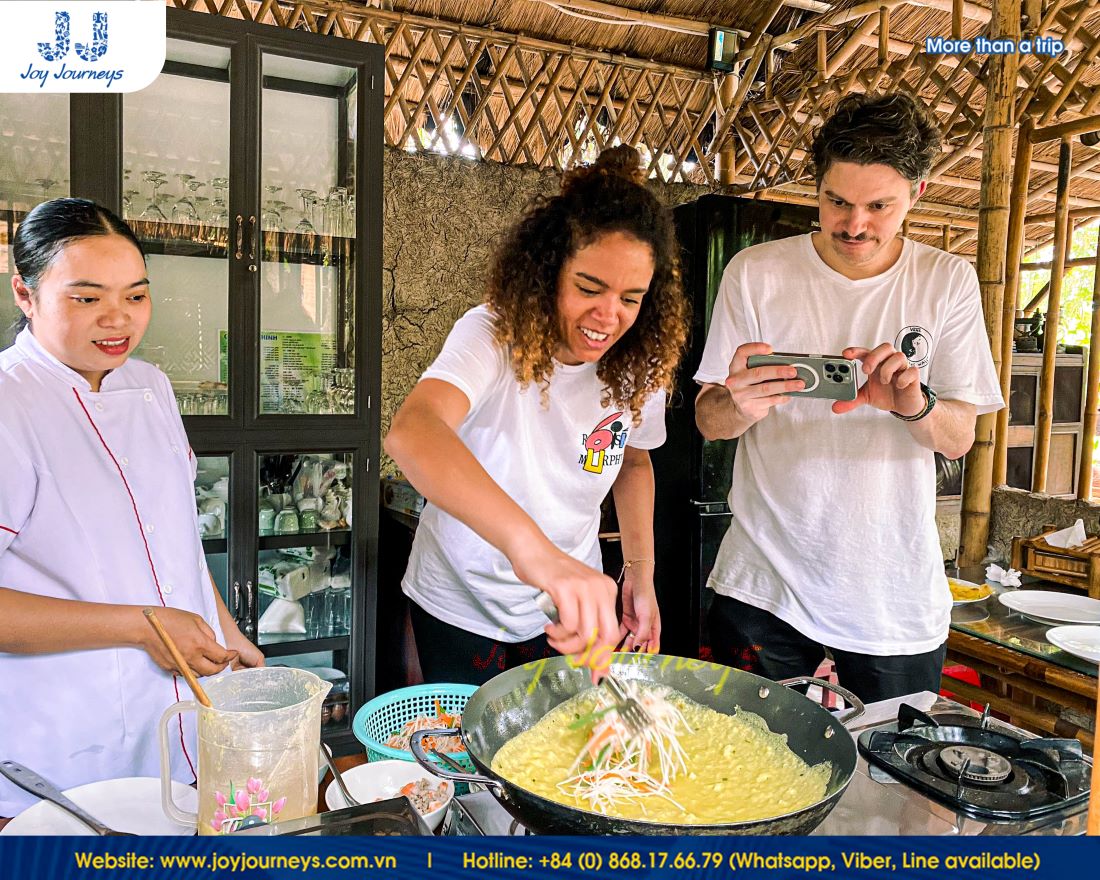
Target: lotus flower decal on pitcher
[(253, 800)]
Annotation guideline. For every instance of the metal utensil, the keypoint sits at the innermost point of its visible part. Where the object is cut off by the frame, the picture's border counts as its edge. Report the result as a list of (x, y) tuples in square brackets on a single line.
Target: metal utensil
[(326, 753), (37, 785), (546, 606), (634, 715)]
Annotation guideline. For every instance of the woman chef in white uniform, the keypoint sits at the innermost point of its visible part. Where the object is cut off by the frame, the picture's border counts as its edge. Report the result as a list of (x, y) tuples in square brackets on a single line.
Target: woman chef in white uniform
[(97, 517)]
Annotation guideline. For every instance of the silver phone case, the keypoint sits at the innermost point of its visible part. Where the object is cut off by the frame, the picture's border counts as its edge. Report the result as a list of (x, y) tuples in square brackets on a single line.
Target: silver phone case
[(826, 377)]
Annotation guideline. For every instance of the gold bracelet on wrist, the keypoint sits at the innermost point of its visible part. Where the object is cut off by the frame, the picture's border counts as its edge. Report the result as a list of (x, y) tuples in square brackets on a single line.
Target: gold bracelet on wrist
[(630, 563)]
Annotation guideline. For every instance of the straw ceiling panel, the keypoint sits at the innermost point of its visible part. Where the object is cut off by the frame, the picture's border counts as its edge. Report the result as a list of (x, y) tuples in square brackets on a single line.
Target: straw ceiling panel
[(550, 82)]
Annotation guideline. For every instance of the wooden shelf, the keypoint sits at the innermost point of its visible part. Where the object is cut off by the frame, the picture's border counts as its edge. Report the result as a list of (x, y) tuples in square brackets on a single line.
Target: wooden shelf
[(334, 538), (205, 240), (288, 645)]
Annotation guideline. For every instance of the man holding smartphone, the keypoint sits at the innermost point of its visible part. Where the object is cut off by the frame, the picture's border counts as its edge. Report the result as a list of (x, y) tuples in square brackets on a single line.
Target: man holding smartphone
[(833, 541)]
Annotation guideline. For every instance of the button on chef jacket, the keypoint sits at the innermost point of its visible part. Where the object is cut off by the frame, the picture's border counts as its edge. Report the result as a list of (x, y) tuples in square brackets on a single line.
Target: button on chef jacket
[(96, 504)]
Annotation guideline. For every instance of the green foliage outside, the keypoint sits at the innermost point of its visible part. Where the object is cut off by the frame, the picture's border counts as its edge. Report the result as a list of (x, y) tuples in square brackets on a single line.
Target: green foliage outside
[(1076, 313)]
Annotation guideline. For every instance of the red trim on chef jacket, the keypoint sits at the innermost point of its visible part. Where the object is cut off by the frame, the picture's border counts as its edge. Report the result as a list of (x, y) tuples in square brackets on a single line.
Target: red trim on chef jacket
[(148, 555), (6, 529)]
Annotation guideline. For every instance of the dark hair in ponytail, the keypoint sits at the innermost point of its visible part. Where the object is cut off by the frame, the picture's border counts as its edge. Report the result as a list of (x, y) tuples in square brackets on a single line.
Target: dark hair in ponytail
[(52, 225)]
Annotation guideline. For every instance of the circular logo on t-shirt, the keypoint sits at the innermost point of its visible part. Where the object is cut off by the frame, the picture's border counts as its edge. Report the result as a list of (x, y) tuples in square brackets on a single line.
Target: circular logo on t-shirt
[(916, 344)]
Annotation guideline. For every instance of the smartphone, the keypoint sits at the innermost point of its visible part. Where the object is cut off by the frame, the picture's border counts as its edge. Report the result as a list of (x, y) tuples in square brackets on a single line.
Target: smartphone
[(829, 377)]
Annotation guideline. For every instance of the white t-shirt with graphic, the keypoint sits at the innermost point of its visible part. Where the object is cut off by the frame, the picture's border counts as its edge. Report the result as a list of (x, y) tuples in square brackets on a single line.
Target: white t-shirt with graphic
[(834, 515), (557, 462)]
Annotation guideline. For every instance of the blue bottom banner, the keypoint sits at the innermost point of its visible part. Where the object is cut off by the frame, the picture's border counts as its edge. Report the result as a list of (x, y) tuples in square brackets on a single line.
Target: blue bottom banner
[(405, 858)]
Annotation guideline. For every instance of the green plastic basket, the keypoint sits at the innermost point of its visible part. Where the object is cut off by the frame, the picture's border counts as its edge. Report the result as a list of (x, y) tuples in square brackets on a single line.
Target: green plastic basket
[(385, 715)]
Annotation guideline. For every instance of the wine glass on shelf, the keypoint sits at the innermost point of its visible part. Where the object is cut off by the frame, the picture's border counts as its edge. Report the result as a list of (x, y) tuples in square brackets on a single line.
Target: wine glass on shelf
[(183, 211), (272, 219), (305, 227), (219, 212), (219, 207), (153, 212), (128, 203), (349, 215), (46, 183), (202, 208), (335, 210)]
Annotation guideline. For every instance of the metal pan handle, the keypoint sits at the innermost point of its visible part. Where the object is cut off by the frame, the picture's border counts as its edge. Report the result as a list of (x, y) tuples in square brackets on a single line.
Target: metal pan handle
[(855, 704), (417, 748)]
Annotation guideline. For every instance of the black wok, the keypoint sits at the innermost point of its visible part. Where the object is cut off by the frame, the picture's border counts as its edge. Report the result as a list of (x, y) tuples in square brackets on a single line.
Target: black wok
[(515, 700)]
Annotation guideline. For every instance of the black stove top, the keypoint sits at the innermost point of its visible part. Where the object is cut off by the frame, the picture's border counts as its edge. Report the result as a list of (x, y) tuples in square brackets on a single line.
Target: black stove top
[(962, 763)]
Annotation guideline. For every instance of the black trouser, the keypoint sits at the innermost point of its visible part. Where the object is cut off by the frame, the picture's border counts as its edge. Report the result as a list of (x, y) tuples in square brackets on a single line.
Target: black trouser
[(450, 654), (755, 640)]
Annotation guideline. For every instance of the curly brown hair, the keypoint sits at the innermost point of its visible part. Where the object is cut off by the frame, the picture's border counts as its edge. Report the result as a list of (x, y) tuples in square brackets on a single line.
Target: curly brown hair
[(889, 129), (607, 197)]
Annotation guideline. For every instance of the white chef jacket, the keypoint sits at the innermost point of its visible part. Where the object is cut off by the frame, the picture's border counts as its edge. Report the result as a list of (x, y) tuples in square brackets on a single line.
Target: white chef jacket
[(96, 504)]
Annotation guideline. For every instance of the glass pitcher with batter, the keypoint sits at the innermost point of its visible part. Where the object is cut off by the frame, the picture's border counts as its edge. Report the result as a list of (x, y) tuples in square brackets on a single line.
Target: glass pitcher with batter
[(257, 749)]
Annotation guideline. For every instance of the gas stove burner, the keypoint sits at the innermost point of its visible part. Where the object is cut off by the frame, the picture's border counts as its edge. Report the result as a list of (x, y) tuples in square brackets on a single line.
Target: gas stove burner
[(975, 765), (989, 774)]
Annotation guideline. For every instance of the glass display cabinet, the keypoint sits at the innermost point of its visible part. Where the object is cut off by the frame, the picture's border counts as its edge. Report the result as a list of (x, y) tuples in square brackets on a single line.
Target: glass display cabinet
[(251, 172)]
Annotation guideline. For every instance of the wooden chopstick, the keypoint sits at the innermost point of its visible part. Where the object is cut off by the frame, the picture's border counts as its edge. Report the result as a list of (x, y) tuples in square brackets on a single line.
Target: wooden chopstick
[(181, 664)]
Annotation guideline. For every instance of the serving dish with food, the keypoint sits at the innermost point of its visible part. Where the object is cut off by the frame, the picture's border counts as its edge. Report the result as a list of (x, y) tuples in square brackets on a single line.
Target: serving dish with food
[(965, 592), (381, 780)]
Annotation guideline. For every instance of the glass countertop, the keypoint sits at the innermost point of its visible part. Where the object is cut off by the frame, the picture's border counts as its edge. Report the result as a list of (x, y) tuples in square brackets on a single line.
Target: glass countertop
[(996, 623)]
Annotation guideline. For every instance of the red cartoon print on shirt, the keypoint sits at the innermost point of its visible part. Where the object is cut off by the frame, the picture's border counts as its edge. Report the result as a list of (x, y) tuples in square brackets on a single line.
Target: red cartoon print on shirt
[(599, 446)]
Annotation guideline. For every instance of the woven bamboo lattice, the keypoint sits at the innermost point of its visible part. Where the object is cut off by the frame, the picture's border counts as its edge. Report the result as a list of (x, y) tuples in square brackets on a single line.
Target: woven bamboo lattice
[(550, 83)]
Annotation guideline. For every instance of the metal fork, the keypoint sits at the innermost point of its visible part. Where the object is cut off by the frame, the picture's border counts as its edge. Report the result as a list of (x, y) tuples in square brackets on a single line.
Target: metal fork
[(634, 715)]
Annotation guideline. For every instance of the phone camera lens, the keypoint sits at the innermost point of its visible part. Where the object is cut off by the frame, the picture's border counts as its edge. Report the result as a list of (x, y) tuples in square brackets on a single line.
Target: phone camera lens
[(843, 368), (829, 368)]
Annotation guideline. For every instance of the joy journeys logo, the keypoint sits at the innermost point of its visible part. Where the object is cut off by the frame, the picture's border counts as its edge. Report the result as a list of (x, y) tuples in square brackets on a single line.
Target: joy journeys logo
[(96, 45)]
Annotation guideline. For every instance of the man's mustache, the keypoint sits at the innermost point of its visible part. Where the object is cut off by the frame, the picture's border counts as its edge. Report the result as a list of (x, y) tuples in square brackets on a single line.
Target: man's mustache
[(858, 238)]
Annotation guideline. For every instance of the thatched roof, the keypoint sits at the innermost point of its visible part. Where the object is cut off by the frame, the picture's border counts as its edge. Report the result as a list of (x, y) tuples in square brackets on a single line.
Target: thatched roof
[(547, 82)]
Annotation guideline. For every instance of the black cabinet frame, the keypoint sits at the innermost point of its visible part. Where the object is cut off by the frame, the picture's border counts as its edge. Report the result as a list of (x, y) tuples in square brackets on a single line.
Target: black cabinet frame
[(243, 434)]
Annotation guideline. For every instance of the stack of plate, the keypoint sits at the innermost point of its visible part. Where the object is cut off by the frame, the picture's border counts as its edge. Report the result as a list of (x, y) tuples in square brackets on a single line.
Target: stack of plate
[(1081, 638)]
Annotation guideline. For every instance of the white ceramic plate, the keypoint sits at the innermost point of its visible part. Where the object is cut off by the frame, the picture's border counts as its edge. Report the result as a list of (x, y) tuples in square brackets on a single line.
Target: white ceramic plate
[(123, 804), (1081, 641), (962, 583), (1053, 608)]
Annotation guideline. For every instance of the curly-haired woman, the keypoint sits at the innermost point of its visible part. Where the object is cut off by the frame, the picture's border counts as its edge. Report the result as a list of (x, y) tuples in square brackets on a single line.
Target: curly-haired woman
[(543, 399)]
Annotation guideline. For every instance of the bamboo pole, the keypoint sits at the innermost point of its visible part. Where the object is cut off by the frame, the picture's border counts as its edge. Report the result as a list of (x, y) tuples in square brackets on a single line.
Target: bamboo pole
[(1074, 214), (727, 156), (744, 82), (992, 244), (1068, 263), (1020, 173), (883, 35), (1092, 386), (1054, 310), (1065, 130)]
